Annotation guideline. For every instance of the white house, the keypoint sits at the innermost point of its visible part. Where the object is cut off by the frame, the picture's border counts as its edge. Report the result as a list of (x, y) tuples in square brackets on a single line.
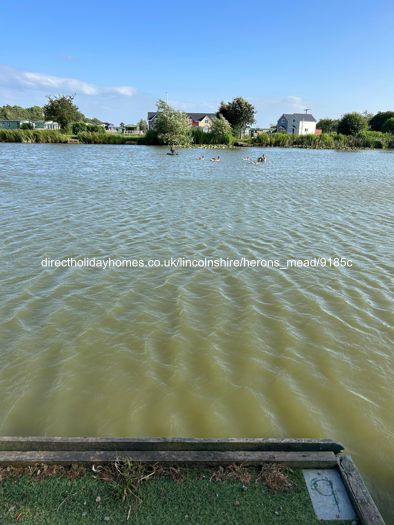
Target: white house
[(297, 123)]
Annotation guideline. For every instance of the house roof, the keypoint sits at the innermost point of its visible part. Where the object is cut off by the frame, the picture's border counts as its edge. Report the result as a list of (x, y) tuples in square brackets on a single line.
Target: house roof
[(194, 116), (307, 117), (200, 116)]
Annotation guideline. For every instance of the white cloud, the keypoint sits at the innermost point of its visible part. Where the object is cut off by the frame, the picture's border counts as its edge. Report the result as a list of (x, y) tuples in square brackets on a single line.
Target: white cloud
[(17, 79), (295, 102), (127, 91)]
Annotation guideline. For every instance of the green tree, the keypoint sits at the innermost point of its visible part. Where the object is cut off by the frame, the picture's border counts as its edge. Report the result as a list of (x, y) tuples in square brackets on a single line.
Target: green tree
[(377, 121), (352, 124), (62, 109), (327, 125), (95, 128), (27, 125), (172, 127), (221, 129), (77, 127), (17, 112), (143, 125), (239, 113), (35, 113), (388, 126)]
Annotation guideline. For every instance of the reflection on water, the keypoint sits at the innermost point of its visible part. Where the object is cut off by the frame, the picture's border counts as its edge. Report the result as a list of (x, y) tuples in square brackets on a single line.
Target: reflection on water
[(211, 352)]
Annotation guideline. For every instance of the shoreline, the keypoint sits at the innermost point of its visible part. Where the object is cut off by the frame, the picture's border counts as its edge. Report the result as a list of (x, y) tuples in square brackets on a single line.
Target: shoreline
[(206, 146), (367, 141)]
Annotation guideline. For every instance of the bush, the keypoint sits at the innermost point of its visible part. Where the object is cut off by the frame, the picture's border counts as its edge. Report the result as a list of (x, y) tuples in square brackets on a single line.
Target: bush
[(95, 128), (27, 125), (221, 130), (352, 124), (388, 126), (172, 127), (372, 139), (78, 127), (150, 138), (377, 121), (327, 125), (228, 139)]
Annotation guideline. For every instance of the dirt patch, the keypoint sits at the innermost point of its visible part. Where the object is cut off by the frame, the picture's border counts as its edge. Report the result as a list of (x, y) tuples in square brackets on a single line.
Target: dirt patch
[(234, 472), (275, 477)]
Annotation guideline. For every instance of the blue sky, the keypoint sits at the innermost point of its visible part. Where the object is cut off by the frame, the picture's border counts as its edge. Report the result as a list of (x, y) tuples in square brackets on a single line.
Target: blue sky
[(119, 57)]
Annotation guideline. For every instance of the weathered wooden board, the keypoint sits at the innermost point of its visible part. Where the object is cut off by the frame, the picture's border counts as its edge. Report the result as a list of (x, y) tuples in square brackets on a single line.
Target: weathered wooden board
[(291, 459), (358, 492), (245, 444)]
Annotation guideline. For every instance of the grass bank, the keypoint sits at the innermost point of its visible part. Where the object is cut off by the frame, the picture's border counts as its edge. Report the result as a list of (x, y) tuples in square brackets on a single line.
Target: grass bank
[(86, 137), (140, 494), (57, 137), (33, 136), (367, 139)]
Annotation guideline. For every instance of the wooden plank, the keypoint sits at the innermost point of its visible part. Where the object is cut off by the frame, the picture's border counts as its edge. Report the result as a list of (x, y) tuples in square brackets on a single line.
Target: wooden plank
[(361, 498), (291, 459), (246, 444)]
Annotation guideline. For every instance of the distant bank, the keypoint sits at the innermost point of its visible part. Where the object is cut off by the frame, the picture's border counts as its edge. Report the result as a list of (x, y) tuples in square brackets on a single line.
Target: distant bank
[(365, 140)]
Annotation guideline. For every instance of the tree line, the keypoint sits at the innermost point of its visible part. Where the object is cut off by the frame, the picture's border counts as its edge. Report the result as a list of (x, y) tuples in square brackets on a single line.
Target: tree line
[(355, 123), (61, 109), (172, 127)]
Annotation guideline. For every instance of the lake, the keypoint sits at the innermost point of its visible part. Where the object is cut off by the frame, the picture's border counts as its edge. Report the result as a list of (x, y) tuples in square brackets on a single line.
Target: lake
[(266, 351)]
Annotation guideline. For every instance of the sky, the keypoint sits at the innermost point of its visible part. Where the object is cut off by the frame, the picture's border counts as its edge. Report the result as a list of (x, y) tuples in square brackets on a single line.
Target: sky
[(120, 57)]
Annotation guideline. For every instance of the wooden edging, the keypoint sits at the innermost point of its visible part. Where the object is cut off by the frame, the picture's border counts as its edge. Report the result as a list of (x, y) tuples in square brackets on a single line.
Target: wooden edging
[(157, 444), (358, 492), (290, 459), (297, 453)]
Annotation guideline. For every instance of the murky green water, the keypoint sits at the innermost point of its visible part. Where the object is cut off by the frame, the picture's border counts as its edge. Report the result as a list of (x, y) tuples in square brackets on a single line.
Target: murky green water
[(199, 352)]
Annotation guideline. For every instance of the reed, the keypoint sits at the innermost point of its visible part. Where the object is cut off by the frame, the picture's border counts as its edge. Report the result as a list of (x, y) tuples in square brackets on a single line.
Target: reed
[(366, 139), (32, 136), (92, 137)]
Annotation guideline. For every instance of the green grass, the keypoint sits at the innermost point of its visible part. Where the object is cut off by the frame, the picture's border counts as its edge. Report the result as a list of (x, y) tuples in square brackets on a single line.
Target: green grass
[(57, 137), (195, 499), (89, 137), (33, 136), (366, 139)]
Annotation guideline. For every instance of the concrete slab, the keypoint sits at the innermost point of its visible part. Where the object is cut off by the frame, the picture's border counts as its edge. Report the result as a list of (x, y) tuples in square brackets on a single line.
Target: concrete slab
[(328, 494)]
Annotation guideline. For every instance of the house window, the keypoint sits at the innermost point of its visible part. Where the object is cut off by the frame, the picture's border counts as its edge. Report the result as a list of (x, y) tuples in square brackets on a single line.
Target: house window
[(206, 121), (306, 129)]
